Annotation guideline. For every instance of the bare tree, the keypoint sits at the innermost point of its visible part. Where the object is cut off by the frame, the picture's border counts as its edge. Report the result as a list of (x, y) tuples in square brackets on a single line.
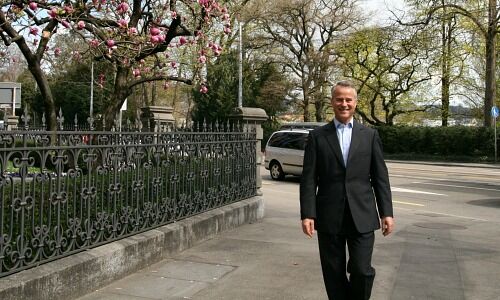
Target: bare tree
[(388, 66), (300, 34), (485, 15)]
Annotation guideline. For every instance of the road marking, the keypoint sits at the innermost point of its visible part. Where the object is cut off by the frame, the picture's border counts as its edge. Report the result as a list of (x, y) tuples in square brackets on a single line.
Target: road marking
[(418, 177), (459, 186), (396, 189), (408, 203), (481, 172), (443, 214)]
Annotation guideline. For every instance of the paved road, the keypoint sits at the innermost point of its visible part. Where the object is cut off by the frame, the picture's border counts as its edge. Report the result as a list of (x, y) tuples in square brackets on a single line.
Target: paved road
[(446, 246)]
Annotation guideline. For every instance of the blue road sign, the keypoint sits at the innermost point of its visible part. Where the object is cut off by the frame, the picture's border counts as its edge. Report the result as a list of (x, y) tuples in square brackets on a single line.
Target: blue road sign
[(494, 112)]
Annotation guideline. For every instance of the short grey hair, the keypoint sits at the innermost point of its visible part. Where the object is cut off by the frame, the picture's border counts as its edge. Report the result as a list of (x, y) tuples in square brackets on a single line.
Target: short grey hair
[(345, 83)]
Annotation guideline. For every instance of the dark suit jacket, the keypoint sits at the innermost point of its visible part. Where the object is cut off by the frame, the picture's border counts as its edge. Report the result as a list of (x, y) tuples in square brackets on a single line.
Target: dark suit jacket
[(326, 183)]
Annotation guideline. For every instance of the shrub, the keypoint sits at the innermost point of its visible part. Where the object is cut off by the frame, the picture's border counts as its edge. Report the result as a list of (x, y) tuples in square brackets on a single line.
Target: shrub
[(466, 143)]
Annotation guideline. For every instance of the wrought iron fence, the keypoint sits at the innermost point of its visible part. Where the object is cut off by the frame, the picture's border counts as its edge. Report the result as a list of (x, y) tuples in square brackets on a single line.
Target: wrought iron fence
[(66, 191)]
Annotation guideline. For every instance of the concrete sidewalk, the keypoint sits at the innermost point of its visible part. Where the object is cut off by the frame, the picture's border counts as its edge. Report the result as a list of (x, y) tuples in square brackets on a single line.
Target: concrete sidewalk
[(431, 255), (270, 259)]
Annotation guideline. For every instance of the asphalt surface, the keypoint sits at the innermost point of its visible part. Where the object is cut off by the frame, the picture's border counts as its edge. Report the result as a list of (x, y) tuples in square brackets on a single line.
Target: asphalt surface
[(446, 246)]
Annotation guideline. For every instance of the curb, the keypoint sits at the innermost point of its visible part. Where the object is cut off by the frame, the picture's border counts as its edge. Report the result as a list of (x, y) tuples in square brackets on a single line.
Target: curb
[(445, 164), (79, 274)]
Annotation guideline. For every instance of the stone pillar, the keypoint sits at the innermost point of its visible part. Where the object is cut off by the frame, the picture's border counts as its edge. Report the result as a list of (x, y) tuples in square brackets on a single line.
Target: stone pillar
[(11, 123), (254, 117), (157, 116)]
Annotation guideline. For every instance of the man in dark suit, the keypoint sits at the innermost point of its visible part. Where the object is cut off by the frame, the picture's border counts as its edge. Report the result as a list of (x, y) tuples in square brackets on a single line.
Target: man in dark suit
[(345, 196)]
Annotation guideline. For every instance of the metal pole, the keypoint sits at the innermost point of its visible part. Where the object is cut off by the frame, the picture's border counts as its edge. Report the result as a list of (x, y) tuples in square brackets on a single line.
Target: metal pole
[(120, 124), (240, 71), (495, 132), (14, 101), (92, 90)]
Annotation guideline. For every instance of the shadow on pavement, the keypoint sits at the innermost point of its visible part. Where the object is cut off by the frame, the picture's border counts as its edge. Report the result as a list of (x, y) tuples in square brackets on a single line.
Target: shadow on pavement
[(486, 202)]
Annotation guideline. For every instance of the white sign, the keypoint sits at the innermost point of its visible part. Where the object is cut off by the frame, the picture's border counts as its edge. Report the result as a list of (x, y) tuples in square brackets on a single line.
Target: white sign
[(124, 105)]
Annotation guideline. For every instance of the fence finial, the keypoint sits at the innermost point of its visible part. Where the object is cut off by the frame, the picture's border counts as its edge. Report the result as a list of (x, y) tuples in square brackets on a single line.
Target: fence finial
[(25, 118), (60, 119), (90, 120)]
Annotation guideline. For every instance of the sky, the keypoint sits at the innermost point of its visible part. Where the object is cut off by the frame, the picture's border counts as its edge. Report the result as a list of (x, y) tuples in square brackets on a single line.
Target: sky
[(380, 8)]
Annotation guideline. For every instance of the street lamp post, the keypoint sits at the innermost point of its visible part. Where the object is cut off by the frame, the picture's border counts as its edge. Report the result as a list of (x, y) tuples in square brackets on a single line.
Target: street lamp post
[(91, 90), (240, 70)]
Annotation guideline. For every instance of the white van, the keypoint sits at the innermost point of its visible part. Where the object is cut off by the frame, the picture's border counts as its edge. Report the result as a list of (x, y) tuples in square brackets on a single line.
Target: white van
[(284, 152)]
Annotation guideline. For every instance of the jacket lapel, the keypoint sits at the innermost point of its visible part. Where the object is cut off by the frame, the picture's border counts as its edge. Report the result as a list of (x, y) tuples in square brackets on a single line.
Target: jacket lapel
[(355, 139), (334, 143)]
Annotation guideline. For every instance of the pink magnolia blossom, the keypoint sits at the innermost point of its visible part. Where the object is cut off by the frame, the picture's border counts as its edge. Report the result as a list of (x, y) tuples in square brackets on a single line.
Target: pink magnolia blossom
[(34, 30), (154, 31), (68, 9), (94, 43), (110, 43), (80, 25), (173, 65), (136, 73), (53, 12), (203, 89), (57, 51), (123, 23), (65, 23), (101, 80), (154, 39), (122, 8), (161, 37), (227, 30), (202, 59), (33, 6), (182, 40), (77, 55), (132, 31), (173, 14), (225, 17)]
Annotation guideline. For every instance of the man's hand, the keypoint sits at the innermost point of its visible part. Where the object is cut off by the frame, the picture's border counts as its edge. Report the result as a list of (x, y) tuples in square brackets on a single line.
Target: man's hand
[(387, 225), (308, 227)]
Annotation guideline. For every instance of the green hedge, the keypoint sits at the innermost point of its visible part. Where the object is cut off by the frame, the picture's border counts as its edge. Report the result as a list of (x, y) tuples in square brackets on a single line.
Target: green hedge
[(447, 143)]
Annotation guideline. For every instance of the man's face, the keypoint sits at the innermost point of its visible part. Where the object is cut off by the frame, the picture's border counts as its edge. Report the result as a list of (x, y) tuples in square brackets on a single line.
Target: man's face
[(344, 102)]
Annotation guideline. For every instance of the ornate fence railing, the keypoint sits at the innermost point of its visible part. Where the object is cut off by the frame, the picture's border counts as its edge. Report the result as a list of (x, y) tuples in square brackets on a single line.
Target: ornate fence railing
[(65, 191)]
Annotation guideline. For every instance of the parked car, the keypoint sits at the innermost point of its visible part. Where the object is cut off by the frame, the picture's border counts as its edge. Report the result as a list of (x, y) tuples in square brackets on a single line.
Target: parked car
[(302, 125), (284, 152)]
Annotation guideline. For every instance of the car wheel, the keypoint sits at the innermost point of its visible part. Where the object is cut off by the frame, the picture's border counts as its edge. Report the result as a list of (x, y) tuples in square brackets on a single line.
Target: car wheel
[(276, 171)]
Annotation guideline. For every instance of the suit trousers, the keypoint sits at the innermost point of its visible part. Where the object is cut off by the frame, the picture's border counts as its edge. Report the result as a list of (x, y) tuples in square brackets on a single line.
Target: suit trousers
[(332, 250)]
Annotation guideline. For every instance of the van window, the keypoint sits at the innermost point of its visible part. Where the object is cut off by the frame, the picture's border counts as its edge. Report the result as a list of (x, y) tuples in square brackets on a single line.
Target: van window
[(277, 140), (289, 140)]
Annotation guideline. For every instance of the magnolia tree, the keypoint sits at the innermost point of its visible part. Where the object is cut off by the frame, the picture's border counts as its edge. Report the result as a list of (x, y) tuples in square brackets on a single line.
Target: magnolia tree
[(143, 40)]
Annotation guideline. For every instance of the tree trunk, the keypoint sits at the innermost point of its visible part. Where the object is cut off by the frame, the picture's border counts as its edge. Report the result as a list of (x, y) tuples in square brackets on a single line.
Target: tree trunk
[(34, 67), (120, 93), (43, 85), (305, 102), (446, 40), (319, 104), (490, 88)]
